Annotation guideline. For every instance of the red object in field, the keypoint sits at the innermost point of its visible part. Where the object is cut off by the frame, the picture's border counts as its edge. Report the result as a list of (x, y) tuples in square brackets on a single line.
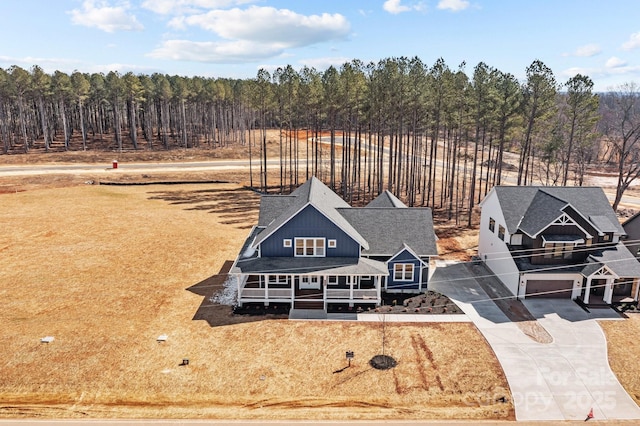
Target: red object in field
[(115, 164)]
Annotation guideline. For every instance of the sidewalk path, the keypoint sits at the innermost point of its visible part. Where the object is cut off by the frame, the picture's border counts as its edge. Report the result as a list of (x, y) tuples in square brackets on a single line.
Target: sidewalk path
[(561, 380)]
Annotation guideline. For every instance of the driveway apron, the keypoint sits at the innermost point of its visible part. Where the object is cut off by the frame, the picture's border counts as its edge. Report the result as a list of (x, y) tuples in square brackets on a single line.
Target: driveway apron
[(562, 380)]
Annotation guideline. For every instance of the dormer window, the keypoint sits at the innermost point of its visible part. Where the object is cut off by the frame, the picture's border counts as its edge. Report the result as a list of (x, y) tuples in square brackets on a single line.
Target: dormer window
[(310, 247)]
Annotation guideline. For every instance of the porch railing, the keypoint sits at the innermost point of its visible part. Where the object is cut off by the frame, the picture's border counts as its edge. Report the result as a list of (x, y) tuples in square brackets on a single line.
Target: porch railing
[(260, 293), (357, 294)]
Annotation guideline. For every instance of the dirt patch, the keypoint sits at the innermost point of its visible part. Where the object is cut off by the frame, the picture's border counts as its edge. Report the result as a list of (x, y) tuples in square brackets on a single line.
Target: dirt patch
[(456, 243)]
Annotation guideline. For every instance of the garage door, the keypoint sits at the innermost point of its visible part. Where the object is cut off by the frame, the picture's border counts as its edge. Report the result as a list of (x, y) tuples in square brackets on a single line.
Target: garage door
[(551, 289)]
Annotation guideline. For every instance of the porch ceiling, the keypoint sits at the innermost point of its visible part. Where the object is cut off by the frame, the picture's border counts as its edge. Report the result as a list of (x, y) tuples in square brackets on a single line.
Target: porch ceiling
[(311, 265)]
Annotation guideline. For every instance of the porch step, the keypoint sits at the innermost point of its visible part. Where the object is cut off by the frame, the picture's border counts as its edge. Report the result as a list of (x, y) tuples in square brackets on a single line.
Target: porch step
[(309, 305), (307, 314)]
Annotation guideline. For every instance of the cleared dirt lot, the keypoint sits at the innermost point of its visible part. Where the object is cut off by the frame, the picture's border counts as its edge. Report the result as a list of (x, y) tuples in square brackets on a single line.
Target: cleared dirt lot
[(106, 270)]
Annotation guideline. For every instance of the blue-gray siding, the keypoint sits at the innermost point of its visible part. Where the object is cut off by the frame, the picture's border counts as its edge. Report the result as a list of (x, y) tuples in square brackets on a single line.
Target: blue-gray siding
[(405, 257), (312, 224)]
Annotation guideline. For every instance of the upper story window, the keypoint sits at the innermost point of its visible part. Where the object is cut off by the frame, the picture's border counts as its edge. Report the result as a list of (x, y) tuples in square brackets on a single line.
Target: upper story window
[(492, 224), (331, 243), (310, 247), (501, 232), (403, 272), (558, 250)]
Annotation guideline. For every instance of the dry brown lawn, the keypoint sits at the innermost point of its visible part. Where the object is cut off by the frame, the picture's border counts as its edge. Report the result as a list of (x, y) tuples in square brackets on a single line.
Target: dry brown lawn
[(106, 270), (623, 347)]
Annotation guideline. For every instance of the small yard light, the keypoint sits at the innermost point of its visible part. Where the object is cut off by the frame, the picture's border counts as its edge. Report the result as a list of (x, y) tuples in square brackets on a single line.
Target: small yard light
[(350, 356)]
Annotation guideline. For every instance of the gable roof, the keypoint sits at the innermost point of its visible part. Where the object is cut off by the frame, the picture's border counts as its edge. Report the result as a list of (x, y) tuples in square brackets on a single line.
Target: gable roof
[(386, 199), (315, 193), (618, 259), (525, 206), (543, 210), (408, 250), (388, 229)]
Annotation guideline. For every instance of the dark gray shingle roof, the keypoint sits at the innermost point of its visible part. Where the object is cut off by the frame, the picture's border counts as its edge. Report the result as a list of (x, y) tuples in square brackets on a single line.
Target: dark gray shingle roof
[(307, 265), (618, 258), (317, 194), (543, 210), (272, 206), (386, 199), (516, 201), (388, 229)]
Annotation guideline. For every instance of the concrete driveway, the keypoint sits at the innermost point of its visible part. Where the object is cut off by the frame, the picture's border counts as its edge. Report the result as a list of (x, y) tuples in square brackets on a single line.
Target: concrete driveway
[(562, 380)]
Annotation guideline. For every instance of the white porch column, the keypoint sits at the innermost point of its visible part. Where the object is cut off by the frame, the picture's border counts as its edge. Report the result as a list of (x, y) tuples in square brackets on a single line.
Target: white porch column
[(323, 286), (608, 291), (240, 287), (351, 279), (293, 289), (587, 291), (378, 289), (266, 291)]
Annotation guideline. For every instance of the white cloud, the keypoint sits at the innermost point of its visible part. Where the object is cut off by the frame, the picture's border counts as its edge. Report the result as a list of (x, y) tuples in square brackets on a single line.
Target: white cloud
[(50, 65), (395, 6), (168, 7), (587, 50), (101, 15), (47, 64), (633, 42), (267, 25), (215, 52), (453, 5), (322, 64), (615, 62)]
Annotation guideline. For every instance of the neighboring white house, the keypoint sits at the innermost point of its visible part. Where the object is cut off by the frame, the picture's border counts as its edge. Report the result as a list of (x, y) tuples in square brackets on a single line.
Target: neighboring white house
[(559, 242)]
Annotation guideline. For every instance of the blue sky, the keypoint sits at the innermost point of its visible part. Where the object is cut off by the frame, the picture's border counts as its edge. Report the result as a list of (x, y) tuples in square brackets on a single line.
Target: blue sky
[(235, 38)]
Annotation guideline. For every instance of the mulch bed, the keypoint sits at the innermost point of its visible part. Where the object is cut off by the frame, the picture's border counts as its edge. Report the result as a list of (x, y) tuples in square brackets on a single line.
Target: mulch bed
[(429, 302)]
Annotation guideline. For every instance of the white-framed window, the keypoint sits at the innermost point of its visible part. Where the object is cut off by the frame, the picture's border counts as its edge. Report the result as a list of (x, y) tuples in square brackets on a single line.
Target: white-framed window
[(286, 242), (277, 279), (403, 272), (310, 247), (332, 280), (331, 243), (492, 224), (501, 231), (365, 277)]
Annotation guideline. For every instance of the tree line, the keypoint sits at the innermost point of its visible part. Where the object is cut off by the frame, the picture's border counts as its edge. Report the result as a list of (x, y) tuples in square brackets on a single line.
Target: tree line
[(436, 136)]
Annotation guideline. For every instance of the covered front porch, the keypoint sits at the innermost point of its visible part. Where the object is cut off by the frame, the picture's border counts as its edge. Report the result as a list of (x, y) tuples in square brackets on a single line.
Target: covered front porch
[(607, 289), (310, 283), (611, 275), (310, 291)]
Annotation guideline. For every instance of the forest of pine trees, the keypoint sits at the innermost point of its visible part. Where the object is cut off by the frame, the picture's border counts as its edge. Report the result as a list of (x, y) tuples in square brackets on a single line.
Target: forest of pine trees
[(434, 135)]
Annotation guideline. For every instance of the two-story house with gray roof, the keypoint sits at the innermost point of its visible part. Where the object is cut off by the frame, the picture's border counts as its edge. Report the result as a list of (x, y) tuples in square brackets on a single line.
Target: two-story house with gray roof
[(312, 250), (557, 242)]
